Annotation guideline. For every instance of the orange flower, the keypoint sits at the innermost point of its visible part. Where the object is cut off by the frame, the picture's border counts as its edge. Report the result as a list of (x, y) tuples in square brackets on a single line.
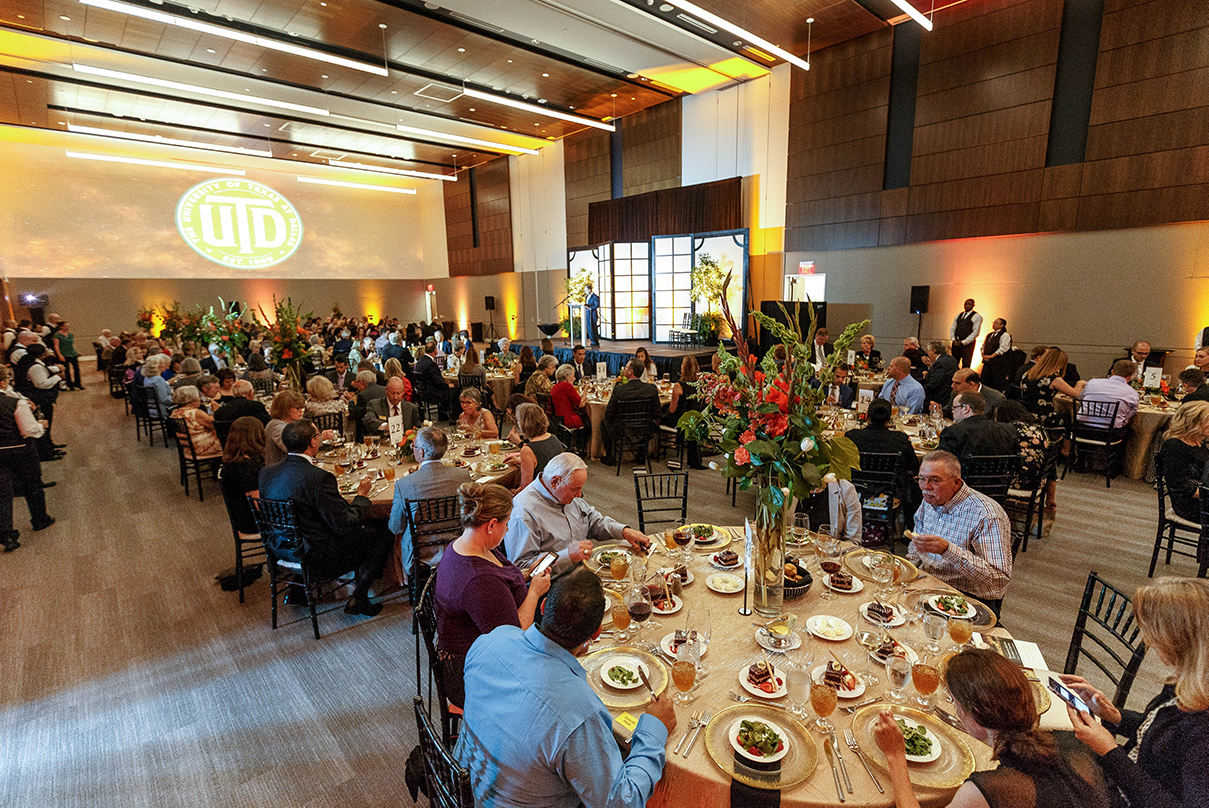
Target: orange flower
[(287, 354)]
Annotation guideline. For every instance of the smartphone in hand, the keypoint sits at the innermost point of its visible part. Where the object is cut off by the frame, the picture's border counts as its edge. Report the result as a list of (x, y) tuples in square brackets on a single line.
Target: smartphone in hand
[(543, 565), (1069, 696)]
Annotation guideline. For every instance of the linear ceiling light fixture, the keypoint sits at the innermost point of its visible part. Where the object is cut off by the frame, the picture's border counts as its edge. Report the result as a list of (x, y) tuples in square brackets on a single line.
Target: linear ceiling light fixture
[(914, 13), (357, 185), (469, 141), (387, 170), (238, 36), (109, 158), (166, 141), (730, 27), (538, 109), (193, 88)]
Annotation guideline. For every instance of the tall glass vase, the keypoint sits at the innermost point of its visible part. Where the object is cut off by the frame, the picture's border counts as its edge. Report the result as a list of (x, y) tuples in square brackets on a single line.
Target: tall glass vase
[(293, 376), (768, 549)]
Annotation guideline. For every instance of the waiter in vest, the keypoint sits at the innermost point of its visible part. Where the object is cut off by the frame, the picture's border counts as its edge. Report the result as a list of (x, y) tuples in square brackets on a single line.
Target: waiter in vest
[(1202, 339), (995, 369), (964, 332)]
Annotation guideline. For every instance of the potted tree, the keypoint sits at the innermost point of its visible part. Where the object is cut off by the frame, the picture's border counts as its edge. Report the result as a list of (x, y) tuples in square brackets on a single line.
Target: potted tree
[(708, 281)]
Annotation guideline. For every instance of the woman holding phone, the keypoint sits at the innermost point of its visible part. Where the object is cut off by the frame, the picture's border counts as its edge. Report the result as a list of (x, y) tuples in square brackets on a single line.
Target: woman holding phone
[(477, 587), (1165, 760)]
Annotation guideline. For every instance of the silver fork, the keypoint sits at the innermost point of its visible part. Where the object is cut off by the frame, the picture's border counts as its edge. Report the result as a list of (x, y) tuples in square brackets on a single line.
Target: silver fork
[(855, 707), (705, 719), (748, 699), (693, 722), (856, 747)]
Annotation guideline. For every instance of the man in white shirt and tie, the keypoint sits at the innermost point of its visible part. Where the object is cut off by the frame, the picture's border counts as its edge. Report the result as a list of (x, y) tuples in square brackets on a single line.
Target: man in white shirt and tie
[(820, 348), (964, 333), (578, 353)]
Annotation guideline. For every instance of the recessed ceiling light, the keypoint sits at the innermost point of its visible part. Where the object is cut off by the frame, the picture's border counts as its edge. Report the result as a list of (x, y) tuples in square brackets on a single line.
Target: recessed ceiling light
[(394, 92), (64, 18), (382, 25), (20, 16), (509, 61), (541, 100), (323, 4), (665, 8), (268, 124), (545, 75), (472, 109), (809, 20), (323, 75), (612, 95), (461, 50), (210, 50)]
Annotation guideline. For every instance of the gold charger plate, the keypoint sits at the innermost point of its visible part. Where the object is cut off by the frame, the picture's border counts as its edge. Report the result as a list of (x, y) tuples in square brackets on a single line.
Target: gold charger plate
[(593, 560), (637, 698), (853, 560), (983, 618), (719, 541), (950, 770), (797, 765)]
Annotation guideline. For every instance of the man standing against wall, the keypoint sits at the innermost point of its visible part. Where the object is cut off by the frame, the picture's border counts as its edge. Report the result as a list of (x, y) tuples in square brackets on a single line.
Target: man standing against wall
[(964, 333)]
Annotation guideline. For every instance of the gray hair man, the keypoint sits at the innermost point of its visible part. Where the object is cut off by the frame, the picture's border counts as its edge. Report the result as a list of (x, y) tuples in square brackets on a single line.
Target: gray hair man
[(432, 479), (550, 516)]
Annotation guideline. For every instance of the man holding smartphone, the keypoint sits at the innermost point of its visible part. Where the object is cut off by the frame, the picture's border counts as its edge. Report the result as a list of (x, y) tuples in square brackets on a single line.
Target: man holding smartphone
[(551, 516)]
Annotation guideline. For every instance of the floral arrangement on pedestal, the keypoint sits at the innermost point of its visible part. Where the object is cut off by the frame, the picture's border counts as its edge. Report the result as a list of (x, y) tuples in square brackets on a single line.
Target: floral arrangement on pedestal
[(764, 419), (172, 322), (192, 330), (225, 328), (288, 339)]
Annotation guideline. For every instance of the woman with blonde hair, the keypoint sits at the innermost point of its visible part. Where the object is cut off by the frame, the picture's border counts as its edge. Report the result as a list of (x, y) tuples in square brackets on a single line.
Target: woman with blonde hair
[(872, 357), (322, 398), (474, 419), (995, 703), (477, 587), (287, 406), (1184, 457), (1043, 381), (1165, 760)]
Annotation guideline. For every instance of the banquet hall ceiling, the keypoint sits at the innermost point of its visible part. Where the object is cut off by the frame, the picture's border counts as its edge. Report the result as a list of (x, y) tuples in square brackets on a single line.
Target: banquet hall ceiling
[(323, 80)]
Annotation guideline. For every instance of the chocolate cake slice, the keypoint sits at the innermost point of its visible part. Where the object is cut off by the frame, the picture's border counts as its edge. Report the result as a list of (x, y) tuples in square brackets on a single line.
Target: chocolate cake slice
[(759, 673), (728, 558), (879, 612), (833, 676), (841, 580)]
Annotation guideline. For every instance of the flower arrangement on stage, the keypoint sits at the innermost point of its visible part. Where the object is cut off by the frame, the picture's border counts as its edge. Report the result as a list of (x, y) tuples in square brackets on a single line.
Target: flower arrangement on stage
[(764, 420), (288, 339)]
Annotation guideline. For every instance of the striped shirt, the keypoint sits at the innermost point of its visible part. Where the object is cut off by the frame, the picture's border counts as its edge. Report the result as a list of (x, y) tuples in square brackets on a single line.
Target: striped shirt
[(978, 560)]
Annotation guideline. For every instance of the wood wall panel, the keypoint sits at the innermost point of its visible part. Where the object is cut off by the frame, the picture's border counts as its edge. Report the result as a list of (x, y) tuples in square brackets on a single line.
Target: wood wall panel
[(588, 172), (702, 208), (650, 149), (493, 256)]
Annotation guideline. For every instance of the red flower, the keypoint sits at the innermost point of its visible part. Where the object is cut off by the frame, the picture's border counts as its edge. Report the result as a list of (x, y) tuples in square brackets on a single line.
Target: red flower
[(748, 436), (742, 456), (287, 354)]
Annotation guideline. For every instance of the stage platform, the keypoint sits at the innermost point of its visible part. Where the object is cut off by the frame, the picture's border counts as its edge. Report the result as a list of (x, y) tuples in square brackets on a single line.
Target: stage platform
[(615, 353)]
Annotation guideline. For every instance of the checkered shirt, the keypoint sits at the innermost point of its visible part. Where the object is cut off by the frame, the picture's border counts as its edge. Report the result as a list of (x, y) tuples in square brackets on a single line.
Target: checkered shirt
[(979, 558)]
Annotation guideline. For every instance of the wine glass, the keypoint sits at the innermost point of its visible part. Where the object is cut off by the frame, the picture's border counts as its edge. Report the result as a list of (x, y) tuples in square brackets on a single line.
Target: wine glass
[(961, 629), (898, 673), (800, 529), (619, 568), (823, 699), (684, 670), (639, 607), (827, 550), (621, 622), (926, 678), (934, 629), (881, 570)]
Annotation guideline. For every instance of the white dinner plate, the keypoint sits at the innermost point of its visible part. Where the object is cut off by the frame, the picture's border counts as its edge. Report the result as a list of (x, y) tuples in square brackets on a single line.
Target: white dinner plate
[(678, 604), (816, 676), (713, 559), (733, 734), (777, 676), (912, 657), (935, 599), (900, 616), (818, 625), (857, 585), (665, 645), (632, 664), (724, 583), (934, 754)]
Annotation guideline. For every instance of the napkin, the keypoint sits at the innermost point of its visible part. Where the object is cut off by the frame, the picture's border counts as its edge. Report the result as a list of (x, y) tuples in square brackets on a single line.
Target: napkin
[(484, 481)]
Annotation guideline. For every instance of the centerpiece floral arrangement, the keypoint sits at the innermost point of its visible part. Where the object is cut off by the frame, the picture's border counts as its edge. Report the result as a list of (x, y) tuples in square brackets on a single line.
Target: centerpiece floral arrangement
[(764, 418), (146, 320), (172, 322), (225, 328), (288, 339)]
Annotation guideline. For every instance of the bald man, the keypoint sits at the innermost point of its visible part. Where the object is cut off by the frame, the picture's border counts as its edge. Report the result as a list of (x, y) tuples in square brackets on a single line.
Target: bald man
[(379, 411)]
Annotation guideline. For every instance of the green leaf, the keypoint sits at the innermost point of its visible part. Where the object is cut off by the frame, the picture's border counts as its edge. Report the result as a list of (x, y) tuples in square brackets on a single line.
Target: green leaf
[(766, 449), (768, 407), (844, 453)]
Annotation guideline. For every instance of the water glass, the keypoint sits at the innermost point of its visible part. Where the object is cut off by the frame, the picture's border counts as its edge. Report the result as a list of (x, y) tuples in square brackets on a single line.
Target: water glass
[(934, 629), (801, 529), (797, 683), (898, 673)]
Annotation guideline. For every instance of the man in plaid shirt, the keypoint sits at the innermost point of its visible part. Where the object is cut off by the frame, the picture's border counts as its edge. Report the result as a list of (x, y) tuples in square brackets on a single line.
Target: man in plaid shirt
[(962, 537)]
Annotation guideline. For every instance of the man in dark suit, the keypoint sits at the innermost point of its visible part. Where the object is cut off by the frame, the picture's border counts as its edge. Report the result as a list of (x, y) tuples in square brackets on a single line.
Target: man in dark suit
[(379, 411), (592, 308), (367, 387), (395, 350), (838, 392), (878, 438), (634, 389), (970, 381), (241, 402), (1140, 355), (430, 385), (578, 361), (432, 479), (972, 435), (341, 378), (938, 381), (820, 347), (213, 361), (332, 531), (1193, 380)]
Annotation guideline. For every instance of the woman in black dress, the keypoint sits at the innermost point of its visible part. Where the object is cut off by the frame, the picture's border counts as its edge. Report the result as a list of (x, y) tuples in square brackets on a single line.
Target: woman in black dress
[(1184, 458), (684, 398), (242, 460)]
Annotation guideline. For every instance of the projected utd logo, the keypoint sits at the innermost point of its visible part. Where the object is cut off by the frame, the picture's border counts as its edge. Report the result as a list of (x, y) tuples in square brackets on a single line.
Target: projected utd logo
[(239, 223)]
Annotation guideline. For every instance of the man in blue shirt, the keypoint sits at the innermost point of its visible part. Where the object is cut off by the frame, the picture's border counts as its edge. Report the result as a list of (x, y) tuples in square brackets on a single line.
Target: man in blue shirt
[(534, 731), (901, 389)]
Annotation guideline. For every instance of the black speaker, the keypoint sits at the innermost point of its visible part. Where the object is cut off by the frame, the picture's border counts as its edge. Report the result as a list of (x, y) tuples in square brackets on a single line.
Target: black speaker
[(772, 308), (919, 299), (489, 302), (476, 332)]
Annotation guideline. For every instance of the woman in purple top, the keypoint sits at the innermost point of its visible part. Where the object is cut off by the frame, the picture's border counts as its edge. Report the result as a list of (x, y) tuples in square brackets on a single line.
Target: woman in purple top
[(478, 588)]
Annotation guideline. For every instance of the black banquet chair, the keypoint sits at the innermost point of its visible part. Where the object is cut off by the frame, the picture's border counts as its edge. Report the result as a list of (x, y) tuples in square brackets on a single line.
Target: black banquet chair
[(446, 783), (1176, 535), (1094, 438), (426, 619), (190, 461), (1107, 634), (632, 431), (877, 484), (662, 499)]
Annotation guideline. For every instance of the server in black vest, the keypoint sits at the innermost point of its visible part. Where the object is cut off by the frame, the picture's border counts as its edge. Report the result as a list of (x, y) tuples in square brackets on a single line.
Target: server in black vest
[(995, 369), (964, 333), (20, 474)]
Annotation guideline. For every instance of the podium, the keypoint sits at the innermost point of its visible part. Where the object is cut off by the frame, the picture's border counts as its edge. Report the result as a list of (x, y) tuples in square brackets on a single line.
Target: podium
[(578, 316)]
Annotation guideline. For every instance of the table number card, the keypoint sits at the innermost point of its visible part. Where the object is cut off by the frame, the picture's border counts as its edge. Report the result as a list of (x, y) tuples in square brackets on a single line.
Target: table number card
[(1151, 377), (395, 423), (851, 357), (864, 399), (602, 371)]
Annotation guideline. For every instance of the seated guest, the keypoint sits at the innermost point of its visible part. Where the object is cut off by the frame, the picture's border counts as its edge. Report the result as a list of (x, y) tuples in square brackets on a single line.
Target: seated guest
[(1033, 442), (820, 348), (475, 420), (972, 434), (871, 357), (838, 393), (1194, 385), (565, 399), (242, 460), (994, 702), (430, 385), (649, 372), (395, 349), (995, 356), (1036, 353), (259, 371), (835, 503), (367, 387), (878, 438), (1042, 382), (199, 422), (191, 371), (504, 351), (543, 378), (1114, 388), (968, 380), (547, 346), (159, 397), (211, 395), (1162, 763), (1200, 360), (379, 411), (963, 537), (322, 398), (431, 480), (241, 402), (332, 532), (901, 389), (174, 367), (538, 446), (20, 472), (514, 401), (393, 369), (213, 361), (634, 389), (287, 406), (578, 361), (913, 352), (226, 382), (341, 378), (550, 515), (1185, 457), (938, 381), (522, 369), (453, 361), (478, 588), (684, 399), (1141, 357), (563, 753)]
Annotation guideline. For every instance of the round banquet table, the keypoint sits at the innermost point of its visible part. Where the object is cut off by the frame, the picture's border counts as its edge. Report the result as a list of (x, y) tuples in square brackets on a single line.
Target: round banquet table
[(597, 402), (499, 383), (698, 780)]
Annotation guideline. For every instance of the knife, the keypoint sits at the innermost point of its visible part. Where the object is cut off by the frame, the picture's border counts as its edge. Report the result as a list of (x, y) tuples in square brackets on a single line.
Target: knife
[(647, 682), (839, 790), (952, 721), (840, 757)]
